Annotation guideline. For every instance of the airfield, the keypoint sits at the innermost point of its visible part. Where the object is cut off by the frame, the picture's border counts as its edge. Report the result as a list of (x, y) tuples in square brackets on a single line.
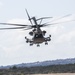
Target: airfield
[(56, 74)]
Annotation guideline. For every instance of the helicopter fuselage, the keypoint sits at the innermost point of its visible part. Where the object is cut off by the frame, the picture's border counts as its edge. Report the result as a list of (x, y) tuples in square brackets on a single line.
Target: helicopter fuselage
[(38, 37), (38, 34)]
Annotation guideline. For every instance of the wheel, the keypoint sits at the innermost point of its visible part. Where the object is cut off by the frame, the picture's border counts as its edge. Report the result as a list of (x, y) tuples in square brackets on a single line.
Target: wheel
[(46, 43), (25, 37), (31, 44), (27, 41), (49, 39), (38, 45), (49, 35)]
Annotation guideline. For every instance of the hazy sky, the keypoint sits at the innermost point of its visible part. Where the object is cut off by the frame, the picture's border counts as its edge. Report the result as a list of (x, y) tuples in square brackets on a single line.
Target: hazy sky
[(14, 49)]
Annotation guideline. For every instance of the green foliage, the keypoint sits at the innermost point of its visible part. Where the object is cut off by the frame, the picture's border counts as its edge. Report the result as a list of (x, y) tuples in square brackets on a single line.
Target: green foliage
[(1, 73), (14, 67), (68, 68)]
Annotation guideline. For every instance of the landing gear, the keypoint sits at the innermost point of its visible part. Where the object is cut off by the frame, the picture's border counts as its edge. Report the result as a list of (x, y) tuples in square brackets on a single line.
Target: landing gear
[(38, 45), (31, 44), (49, 38), (38, 40), (46, 43), (26, 40), (25, 37), (49, 35)]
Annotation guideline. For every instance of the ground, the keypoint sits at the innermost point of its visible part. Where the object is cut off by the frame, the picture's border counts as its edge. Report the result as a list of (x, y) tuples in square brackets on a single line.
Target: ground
[(57, 74)]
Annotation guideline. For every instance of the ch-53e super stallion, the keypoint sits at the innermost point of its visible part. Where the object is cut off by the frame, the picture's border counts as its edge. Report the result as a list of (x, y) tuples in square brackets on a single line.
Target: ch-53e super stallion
[(38, 35)]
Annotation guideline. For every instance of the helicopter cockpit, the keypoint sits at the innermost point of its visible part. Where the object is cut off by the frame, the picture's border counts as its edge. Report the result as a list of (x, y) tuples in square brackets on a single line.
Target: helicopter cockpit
[(38, 36)]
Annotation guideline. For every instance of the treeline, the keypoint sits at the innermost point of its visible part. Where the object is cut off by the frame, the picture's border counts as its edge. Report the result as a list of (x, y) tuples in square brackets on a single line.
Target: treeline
[(68, 68)]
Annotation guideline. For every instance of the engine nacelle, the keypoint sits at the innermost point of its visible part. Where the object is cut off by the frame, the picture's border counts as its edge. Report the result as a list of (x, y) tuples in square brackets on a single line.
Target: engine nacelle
[(31, 33), (44, 32)]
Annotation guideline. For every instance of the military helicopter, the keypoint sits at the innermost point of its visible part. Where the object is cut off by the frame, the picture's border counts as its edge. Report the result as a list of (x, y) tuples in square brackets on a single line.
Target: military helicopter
[(37, 33)]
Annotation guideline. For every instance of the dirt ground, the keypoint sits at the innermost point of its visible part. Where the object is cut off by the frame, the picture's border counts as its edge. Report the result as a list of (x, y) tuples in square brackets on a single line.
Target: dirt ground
[(57, 74)]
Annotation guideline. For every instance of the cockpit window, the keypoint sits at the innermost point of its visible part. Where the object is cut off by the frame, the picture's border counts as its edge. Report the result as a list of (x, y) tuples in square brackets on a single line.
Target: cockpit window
[(38, 36)]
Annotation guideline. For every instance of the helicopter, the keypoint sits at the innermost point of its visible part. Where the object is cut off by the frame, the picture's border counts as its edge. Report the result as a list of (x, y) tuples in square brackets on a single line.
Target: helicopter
[(38, 35)]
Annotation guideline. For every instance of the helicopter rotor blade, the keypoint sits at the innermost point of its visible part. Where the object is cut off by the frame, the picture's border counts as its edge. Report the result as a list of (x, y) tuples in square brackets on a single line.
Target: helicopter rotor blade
[(28, 28), (13, 24), (12, 28), (44, 18), (61, 17), (46, 24), (29, 17)]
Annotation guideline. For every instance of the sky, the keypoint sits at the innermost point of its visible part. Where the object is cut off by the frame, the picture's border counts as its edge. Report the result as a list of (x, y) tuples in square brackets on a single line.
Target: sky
[(14, 49)]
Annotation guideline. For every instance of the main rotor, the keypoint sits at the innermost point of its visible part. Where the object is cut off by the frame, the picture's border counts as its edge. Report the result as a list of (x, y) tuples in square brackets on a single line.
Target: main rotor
[(34, 23)]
